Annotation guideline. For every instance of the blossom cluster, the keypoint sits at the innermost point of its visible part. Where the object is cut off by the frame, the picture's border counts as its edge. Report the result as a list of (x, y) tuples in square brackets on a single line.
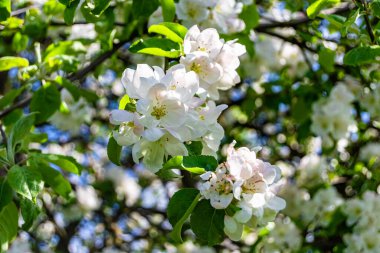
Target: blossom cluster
[(174, 107), (214, 60), (363, 214), (73, 114), (332, 117), (221, 14), (244, 183)]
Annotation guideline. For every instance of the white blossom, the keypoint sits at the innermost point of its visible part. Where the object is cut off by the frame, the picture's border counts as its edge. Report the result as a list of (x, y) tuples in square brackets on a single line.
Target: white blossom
[(74, 114), (87, 198), (214, 60)]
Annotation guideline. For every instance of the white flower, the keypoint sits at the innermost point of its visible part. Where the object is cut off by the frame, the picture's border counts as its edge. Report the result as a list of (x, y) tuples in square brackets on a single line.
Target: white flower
[(246, 183), (312, 171), (217, 188), (332, 117), (192, 11), (87, 198), (283, 237), (130, 129), (370, 151), (75, 113), (153, 153), (125, 186), (214, 60)]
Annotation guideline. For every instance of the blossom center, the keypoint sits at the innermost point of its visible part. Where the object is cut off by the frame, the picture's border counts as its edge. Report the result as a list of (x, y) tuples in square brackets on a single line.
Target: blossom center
[(159, 111), (196, 67)]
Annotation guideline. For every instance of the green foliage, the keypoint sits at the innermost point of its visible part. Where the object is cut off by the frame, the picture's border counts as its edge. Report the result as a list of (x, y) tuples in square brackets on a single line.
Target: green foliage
[(168, 10), (207, 223), (46, 101), (362, 55), (8, 225), (5, 9), (250, 16), (316, 7), (6, 194), (375, 7), (172, 31), (19, 42), (114, 151), (20, 129), (156, 46), (29, 212), (142, 9), (66, 163), (327, 59), (69, 13), (8, 62), (8, 98), (25, 182), (194, 164), (179, 209)]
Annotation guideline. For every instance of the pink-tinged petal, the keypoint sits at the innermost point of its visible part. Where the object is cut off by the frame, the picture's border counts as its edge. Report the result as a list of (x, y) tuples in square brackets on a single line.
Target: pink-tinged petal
[(255, 200), (275, 203)]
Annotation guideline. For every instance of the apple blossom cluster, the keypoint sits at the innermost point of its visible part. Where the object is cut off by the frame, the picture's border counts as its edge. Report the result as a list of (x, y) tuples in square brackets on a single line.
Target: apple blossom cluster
[(74, 114), (363, 215), (332, 117), (167, 113), (172, 108), (284, 236), (220, 14), (214, 60), (312, 171), (244, 183)]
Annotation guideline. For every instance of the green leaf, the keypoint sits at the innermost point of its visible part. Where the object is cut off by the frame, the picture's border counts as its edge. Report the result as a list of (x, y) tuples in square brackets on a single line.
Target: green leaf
[(114, 151), (194, 148), (336, 21), (172, 31), (63, 48), (66, 163), (20, 129), (250, 16), (73, 89), (53, 178), (10, 96), (168, 10), (69, 13), (207, 223), (29, 212), (347, 26), (327, 59), (156, 46), (8, 225), (362, 55), (180, 206), (124, 101), (316, 7), (46, 101), (194, 164), (375, 7), (8, 62), (25, 181), (19, 42), (142, 9), (100, 7), (6, 193), (5, 9)]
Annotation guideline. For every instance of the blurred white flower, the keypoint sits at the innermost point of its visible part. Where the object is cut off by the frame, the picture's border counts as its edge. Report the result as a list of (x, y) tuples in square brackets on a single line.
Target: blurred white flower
[(125, 186), (87, 198), (332, 117), (74, 114), (312, 171)]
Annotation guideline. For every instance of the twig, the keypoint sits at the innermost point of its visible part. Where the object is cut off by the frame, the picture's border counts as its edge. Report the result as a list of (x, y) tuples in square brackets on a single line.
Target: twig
[(367, 22)]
